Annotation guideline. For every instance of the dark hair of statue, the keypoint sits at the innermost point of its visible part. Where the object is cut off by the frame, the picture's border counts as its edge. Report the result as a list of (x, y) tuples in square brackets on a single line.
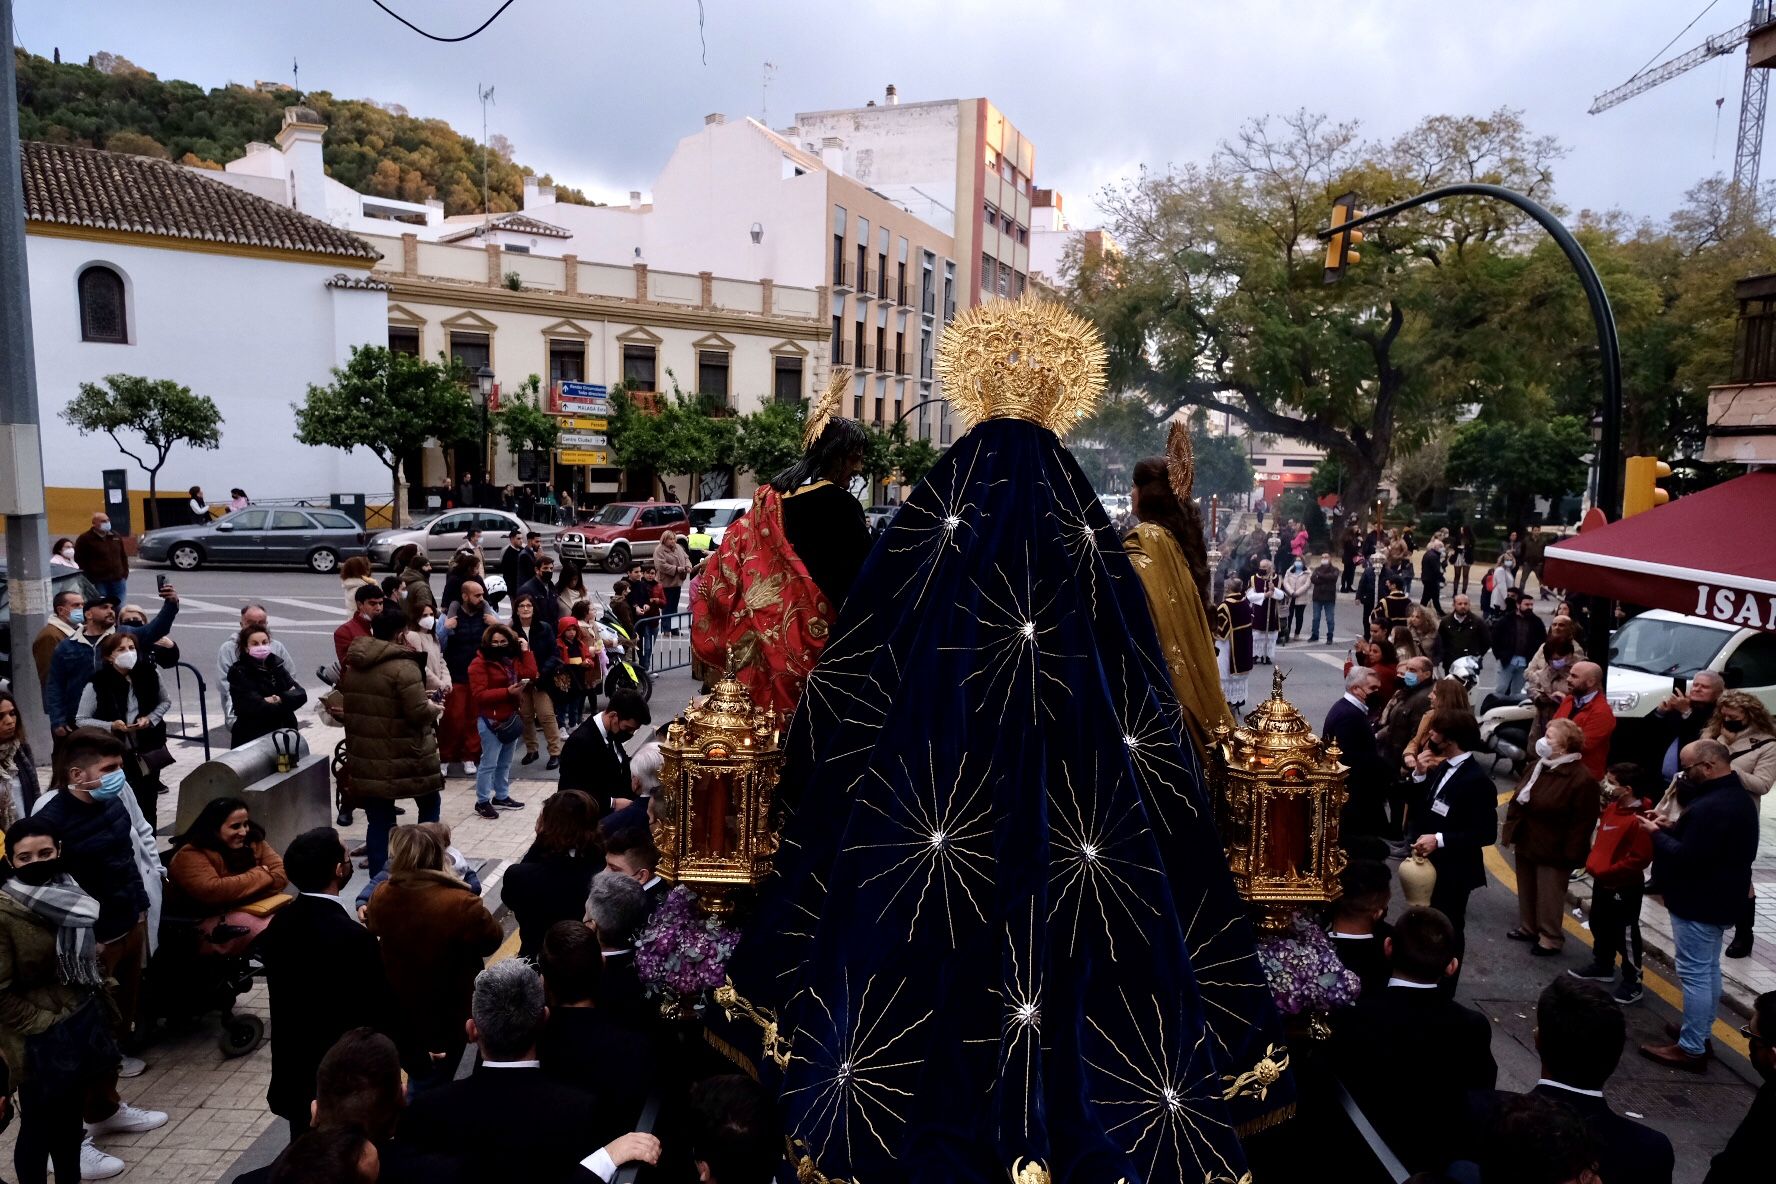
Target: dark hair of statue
[(840, 440), (1162, 507)]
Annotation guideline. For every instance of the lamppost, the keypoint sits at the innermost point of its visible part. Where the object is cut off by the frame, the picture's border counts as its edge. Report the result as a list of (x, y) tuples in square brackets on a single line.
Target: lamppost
[(484, 388)]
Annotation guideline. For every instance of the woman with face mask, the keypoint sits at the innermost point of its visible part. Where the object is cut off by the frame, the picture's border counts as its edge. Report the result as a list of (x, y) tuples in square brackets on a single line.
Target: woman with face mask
[(1743, 724), (421, 635), (126, 697), (18, 769), (498, 677), (61, 557), (264, 692), (1549, 822), (53, 1033)]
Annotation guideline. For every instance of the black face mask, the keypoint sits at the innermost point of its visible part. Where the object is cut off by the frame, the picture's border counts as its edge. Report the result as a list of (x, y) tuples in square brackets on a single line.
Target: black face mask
[(40, 873), (1375, 699), (495, 651), (1733, 725)]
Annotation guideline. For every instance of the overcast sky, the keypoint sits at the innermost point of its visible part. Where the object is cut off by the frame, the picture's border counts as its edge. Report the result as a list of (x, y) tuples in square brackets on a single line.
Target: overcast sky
[(597, 93)]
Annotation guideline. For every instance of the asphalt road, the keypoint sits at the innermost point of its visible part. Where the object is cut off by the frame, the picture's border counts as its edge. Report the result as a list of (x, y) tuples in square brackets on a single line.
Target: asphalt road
[(1500, 979)]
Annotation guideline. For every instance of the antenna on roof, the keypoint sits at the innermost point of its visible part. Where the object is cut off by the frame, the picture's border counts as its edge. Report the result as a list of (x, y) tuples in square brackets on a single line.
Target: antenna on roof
[(765, 94), (486, 93)]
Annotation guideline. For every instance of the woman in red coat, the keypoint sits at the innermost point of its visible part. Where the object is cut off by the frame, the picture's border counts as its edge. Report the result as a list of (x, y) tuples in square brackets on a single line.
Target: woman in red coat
[(497, 678)]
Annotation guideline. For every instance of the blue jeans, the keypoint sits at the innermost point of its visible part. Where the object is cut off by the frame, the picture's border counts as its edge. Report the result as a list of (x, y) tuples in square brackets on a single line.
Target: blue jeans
[(493, 778), (117, 590), (379, 816), (1699, 973), (1323, 610), (1510, 683)]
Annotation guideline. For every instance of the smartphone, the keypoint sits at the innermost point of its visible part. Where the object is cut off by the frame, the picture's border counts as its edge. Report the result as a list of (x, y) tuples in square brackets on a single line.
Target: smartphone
[(1680, 685), (160, 582)]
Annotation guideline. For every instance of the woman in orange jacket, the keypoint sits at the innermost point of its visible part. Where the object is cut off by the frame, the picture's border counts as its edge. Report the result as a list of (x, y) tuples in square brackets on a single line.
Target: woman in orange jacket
[(497, 678), (221, 863)]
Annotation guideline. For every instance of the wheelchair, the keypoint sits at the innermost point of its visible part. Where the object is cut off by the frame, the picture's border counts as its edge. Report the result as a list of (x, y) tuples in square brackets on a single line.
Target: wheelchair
[(189, 977)]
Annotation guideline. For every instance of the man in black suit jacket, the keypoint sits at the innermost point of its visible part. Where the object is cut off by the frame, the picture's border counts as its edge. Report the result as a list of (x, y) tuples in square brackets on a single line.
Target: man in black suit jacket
[(508, 1119), (1409, 1055), (324, 971), (1752, 1148), (1365, 812), (594, 760), (583, 1044), (1456, 816)]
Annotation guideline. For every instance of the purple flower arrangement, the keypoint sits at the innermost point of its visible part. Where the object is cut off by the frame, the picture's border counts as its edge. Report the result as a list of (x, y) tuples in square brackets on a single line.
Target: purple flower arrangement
[(1305, 972), (683, 954)]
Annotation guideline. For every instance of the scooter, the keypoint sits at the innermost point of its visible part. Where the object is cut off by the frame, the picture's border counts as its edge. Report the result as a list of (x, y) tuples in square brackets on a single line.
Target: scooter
[(1505, 723)]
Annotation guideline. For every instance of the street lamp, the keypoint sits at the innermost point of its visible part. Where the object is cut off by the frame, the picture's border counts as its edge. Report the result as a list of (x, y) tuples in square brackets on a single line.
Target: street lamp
[(484, 386), (758, 234)]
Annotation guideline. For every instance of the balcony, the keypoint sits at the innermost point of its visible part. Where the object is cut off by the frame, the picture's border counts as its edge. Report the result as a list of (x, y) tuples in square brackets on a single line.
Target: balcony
[(842, 276), (1742, 413), (928, 303), (900, 294), (845, 350), (868, 280), (900, 363)]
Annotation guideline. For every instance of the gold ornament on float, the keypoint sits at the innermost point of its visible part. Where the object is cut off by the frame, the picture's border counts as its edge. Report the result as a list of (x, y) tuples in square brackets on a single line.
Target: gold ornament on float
[(718, 774), (1180, 460), (1278, 795), (1022, 359)]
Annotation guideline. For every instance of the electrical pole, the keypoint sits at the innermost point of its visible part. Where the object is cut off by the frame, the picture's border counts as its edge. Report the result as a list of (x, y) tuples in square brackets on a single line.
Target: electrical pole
[(21, 446), (486, 93)]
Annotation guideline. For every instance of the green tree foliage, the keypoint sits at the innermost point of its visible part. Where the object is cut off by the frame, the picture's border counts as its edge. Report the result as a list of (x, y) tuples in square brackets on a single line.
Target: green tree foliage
[(688, 434), (1109, 441), (158, 410), (1222, 466), (371, 147), (1516, 462), (391, 403), (914, 459), (771, 439), (521, 421)]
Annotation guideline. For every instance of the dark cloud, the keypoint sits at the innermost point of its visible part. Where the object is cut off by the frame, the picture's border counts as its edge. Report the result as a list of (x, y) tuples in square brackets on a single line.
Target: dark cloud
[(598, 91)]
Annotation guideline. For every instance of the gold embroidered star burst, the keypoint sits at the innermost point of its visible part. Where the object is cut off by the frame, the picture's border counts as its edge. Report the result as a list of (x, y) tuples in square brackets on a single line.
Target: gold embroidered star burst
[(1027, 358)]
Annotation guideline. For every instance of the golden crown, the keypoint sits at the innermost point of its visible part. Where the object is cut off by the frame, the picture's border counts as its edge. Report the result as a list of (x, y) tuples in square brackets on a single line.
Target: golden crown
[(1022, 359), (826, 406)]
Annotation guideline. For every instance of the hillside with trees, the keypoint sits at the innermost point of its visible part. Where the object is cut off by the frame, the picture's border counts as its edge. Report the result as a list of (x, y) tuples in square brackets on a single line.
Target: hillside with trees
[(377, 148)]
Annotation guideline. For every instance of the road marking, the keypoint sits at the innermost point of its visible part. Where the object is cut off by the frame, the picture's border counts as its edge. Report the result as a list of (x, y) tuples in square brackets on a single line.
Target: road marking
[(1336, 661), (1500, 867), (187, 604), (507, 949), (311, 605)]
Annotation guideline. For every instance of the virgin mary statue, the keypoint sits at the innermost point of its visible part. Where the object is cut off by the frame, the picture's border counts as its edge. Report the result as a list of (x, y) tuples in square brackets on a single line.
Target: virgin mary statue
[(1001, 940)]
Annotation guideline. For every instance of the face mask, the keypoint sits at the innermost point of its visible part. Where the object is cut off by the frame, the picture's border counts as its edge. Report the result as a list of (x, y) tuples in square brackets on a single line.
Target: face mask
[(1375, 699), (259, 651), (125, 660), (109, 786), (77, 617), (1409, 678), (1544, 749), (40, 873), (428, 622), (104, 528), (1733, 725), (67, 552)]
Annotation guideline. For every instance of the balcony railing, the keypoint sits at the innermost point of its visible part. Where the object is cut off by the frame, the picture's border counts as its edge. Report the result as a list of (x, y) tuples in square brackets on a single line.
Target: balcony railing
[(843, 275), (844, 351), (900, 362), (928, 304), (1754, 348), (900, 294), (868, 280)]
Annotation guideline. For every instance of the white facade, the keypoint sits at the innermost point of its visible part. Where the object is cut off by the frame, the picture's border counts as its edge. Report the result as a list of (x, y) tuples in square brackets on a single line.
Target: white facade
[(250, 331), (907, 152)]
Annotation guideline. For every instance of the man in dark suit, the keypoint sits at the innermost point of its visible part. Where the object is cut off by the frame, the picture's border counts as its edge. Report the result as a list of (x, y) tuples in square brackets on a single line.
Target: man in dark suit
[(508, 1119), (583, 1044), (630, 851), (1359, 927), (1579, 1034), (324, 971), (540, 587), (594, 760), (1365, 813), (617, 908), (1409, 1055), (1456, 816), (1752, 1148)]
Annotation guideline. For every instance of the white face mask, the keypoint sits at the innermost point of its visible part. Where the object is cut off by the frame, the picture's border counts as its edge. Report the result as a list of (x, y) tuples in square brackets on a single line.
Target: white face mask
[(1544, 749), (67, 552), (125, 660), (427, 622)]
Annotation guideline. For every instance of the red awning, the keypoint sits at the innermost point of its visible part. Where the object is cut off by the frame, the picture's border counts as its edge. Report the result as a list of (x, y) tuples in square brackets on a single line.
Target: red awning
[(1710, 554)]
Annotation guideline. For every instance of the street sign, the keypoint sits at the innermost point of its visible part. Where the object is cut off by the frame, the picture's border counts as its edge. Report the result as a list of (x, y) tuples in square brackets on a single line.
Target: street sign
[(582, 407), (584, 423), (581, 440), (583, 390), (580, 456)]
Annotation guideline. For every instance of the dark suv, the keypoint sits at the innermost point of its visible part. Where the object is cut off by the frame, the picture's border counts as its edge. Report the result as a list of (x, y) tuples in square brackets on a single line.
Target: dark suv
[(621, 533)]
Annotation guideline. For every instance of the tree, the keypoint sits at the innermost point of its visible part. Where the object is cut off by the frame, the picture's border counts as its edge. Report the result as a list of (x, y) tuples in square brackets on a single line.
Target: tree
[(1109, 441), (1518, 462), (689, 434), (521, 421), (771, 439), (1216, 300), (159, 410), (1422, 471), (914, 459), (1222, 467), (391, 403)]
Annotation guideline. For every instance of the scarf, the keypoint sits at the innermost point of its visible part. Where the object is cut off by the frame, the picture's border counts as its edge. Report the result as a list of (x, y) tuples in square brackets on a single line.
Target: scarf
[(62, 904), (1564, 759), (9, 770)]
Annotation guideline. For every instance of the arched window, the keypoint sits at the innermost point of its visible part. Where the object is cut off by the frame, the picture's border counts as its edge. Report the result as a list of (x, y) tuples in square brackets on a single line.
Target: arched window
[(103, 315)]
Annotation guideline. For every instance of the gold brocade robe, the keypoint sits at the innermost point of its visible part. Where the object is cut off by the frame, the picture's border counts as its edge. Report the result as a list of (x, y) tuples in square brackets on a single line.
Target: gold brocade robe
[(1183, 627)]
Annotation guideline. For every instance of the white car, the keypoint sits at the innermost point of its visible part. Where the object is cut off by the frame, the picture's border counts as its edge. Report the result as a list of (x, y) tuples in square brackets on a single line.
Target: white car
[(1653, 652), (441, 533), (714, 517)]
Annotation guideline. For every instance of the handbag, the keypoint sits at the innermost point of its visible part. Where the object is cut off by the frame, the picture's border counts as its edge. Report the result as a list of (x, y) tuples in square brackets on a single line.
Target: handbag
[(508, 729)]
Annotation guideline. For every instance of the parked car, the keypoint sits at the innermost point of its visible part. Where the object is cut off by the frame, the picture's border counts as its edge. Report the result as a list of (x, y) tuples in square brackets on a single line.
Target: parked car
[(621, 532), (1655, 653), (714, 517), (61, 580), (443, 532), (878, 517), (315, 538)]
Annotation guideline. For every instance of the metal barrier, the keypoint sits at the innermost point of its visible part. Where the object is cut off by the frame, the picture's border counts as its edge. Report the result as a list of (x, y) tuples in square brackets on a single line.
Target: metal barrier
[(665, 642), (203, 708)]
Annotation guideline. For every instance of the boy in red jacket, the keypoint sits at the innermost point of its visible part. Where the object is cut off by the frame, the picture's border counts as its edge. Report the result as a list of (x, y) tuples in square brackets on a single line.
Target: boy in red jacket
[(1619, 854)]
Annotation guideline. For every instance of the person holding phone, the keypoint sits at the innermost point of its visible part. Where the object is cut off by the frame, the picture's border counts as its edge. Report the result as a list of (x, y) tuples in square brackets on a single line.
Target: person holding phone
[(498, 677)]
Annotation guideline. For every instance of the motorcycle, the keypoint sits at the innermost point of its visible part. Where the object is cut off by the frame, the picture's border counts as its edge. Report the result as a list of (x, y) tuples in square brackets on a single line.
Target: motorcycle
[(1505, 723)]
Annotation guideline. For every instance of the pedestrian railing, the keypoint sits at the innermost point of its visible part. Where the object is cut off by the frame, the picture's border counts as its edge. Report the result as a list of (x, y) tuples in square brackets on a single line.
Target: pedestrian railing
[(666, 642), (179, 705)]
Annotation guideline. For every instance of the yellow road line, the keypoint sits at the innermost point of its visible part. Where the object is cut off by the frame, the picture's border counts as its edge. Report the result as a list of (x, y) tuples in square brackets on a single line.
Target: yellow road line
[(1500, 867), (507, 949)]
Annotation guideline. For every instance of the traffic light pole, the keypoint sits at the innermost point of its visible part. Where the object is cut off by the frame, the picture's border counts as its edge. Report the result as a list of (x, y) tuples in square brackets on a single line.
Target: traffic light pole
[(1609, 447)]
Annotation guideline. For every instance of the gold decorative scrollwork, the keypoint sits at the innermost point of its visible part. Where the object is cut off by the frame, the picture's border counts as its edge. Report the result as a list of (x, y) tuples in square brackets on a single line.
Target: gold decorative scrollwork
[(1029, 1172), (775, 1046), (1256, 1081)]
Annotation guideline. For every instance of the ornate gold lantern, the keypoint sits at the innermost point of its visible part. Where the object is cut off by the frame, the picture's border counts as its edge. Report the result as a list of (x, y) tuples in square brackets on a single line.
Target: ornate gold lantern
[(718, 774), (1278, 795)]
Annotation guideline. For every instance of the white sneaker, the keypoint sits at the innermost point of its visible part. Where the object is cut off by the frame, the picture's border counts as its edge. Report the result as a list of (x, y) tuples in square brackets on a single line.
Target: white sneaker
[(128, 1120), (132, 1067), (468, 768), (95, 1164)]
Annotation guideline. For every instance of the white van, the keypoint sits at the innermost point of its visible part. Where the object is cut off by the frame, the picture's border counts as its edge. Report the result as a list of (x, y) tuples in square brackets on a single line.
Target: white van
[(1656, 650), (714, 517)]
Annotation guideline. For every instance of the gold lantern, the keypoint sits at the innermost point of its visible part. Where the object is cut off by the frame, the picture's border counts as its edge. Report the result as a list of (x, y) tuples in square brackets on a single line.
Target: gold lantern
[(1278, 794), (718, 774)]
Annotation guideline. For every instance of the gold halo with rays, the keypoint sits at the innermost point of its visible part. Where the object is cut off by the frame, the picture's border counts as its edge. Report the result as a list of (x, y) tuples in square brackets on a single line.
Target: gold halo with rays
[(1180, 460), (826, 406), (1027, 358)]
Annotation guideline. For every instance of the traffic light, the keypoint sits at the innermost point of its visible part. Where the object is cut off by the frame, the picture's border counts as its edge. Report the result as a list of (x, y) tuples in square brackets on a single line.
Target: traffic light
[(1338, 248), (1640, 490)]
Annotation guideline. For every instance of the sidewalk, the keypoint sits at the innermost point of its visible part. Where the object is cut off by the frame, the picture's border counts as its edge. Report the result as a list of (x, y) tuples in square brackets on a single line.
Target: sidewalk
[(215, 1105)]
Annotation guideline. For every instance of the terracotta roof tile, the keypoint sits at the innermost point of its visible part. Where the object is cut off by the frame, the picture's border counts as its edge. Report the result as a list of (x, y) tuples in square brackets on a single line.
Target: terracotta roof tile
[(114, 191)]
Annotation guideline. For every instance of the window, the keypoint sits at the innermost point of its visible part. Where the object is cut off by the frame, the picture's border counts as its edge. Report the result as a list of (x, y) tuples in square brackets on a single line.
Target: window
[(882, 362), (650, 517), (1017, 283), (838, 342), (838, 257), (639, 363), (567, 361), (859, 344), (989, 272), (454, 524), (1023, 234), (472, 350), (786, 386), (404, 339), (332, 520), (1753, 664), (103, 315), (671, 515), (515, 249), (1004, 279), (489, 522), (290, 520), (990, 214), (249, 519), (712, 372), (900, 352)]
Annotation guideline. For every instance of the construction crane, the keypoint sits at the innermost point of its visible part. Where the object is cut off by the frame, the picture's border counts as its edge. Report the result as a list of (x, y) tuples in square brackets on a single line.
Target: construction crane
[(1759, 35)]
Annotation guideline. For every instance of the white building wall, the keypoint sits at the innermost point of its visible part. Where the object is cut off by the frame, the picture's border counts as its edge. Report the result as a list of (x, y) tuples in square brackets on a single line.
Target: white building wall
[(249, 333), (907, 146)]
